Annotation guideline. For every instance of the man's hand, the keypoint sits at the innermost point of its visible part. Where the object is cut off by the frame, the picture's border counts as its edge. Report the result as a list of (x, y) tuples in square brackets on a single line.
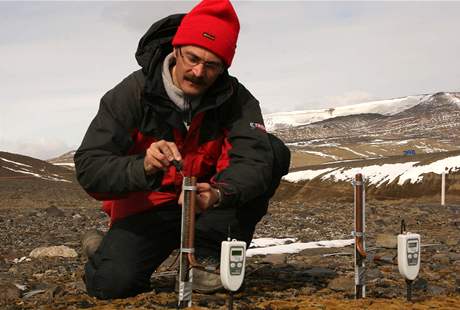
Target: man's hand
[(159, 156), (206, 196)]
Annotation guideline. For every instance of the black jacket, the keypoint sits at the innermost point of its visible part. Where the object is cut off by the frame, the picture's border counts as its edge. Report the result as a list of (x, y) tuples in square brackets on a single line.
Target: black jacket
[(226, 144)]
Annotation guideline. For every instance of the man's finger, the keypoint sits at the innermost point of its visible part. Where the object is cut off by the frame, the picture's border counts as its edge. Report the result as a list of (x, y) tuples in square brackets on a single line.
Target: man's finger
[(181, 198), (175, 151), (159, 156), (202, 201), (165, 149), (202, 187)]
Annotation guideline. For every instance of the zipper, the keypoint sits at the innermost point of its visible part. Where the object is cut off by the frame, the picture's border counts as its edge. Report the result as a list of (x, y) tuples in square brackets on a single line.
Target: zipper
[(187, 113)]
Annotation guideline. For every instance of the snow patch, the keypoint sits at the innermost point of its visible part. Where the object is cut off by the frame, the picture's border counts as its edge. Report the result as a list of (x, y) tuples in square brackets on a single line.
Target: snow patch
[(297, 247), (38, 175), (352, 151), (321, 154), (265, 242), (375, 174), (16, 163), (65, 164), (305, 175), (380, 174), (429, 149)]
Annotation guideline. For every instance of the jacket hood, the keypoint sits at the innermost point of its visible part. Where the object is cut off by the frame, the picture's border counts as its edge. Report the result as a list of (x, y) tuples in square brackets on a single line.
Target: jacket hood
[(155, 44)]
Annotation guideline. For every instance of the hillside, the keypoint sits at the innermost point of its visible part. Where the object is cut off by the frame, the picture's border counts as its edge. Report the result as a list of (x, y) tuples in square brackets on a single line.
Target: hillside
[(27, 182), (398, 177), (64, 160), (429, 125)]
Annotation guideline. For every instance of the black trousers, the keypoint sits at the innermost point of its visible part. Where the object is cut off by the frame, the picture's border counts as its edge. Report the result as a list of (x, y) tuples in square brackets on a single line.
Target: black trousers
[(135, 246)]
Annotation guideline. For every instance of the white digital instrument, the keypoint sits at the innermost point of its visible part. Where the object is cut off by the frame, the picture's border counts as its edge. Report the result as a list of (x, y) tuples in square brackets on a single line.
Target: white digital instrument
[(409, 255), (232, 264)]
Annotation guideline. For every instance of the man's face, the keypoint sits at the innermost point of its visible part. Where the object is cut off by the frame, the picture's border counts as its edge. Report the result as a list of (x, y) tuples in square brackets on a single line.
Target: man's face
[(196, 69)]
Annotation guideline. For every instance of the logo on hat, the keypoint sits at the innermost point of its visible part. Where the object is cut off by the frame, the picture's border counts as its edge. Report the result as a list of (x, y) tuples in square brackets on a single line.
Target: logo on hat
[(209, 36)]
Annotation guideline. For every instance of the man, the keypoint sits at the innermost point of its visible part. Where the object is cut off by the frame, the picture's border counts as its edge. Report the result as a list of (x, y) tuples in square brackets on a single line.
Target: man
[(183, 106)]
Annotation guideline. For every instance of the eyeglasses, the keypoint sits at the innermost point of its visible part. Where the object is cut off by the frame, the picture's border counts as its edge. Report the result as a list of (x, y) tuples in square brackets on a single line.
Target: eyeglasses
[(193, 60)]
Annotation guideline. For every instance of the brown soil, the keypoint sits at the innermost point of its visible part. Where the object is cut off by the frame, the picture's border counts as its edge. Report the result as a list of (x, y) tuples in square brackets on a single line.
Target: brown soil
[(36, 213)]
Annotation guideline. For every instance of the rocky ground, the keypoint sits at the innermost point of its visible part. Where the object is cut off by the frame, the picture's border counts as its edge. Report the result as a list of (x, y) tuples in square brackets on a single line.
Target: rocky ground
[(312, 279)]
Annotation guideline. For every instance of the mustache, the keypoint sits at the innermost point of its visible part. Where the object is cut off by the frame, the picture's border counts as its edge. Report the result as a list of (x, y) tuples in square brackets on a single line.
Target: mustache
[(194, 79)]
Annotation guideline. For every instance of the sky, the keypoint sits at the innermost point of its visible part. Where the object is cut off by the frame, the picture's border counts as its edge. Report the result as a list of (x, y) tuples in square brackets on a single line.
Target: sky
[(57, 59)]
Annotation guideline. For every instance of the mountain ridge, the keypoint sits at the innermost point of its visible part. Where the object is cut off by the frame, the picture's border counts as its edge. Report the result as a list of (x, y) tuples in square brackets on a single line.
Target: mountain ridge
[(281, 120), (432, 125)]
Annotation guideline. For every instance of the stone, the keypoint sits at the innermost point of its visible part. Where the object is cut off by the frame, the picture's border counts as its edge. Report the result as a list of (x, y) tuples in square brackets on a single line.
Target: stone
[(38, 276), (53, 251), (320, 272), (374, 274), (211, 300), (13, 269), (20, 260), (437, 267), (54, 211), (454, 256), (384, 259), (436, 290), (342, 284), (451, 241), (434, 276), (9, 292), (420, 284), (54, 290), (388, 241), (275, 259), (307, 290), (442, 258), (21, 287), (33, 293)]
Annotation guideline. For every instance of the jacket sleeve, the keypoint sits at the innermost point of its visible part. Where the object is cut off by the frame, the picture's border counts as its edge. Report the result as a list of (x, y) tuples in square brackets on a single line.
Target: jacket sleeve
[(244, 170), (102, 165)]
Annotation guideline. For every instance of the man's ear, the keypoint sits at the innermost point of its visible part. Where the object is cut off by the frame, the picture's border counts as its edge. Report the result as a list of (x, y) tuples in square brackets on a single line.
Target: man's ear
[(175, 51)]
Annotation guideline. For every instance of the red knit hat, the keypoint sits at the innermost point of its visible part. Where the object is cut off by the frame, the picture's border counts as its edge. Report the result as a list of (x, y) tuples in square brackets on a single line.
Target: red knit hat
[(213, 25)]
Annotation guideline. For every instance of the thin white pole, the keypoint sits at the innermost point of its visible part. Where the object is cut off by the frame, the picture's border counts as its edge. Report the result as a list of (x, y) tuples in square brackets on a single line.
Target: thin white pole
[(443, 188)]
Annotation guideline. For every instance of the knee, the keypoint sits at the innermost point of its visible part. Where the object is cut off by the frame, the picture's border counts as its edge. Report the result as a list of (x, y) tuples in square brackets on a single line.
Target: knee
[(110, 281)]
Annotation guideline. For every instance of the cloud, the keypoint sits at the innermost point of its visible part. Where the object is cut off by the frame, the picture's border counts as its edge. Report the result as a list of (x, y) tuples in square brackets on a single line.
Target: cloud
[(59, 58), (347, 98), (42, 148)]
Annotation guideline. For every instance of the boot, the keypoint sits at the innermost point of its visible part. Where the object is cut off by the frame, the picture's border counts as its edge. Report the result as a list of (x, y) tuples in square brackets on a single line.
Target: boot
[(206, 279), (90, 242)]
